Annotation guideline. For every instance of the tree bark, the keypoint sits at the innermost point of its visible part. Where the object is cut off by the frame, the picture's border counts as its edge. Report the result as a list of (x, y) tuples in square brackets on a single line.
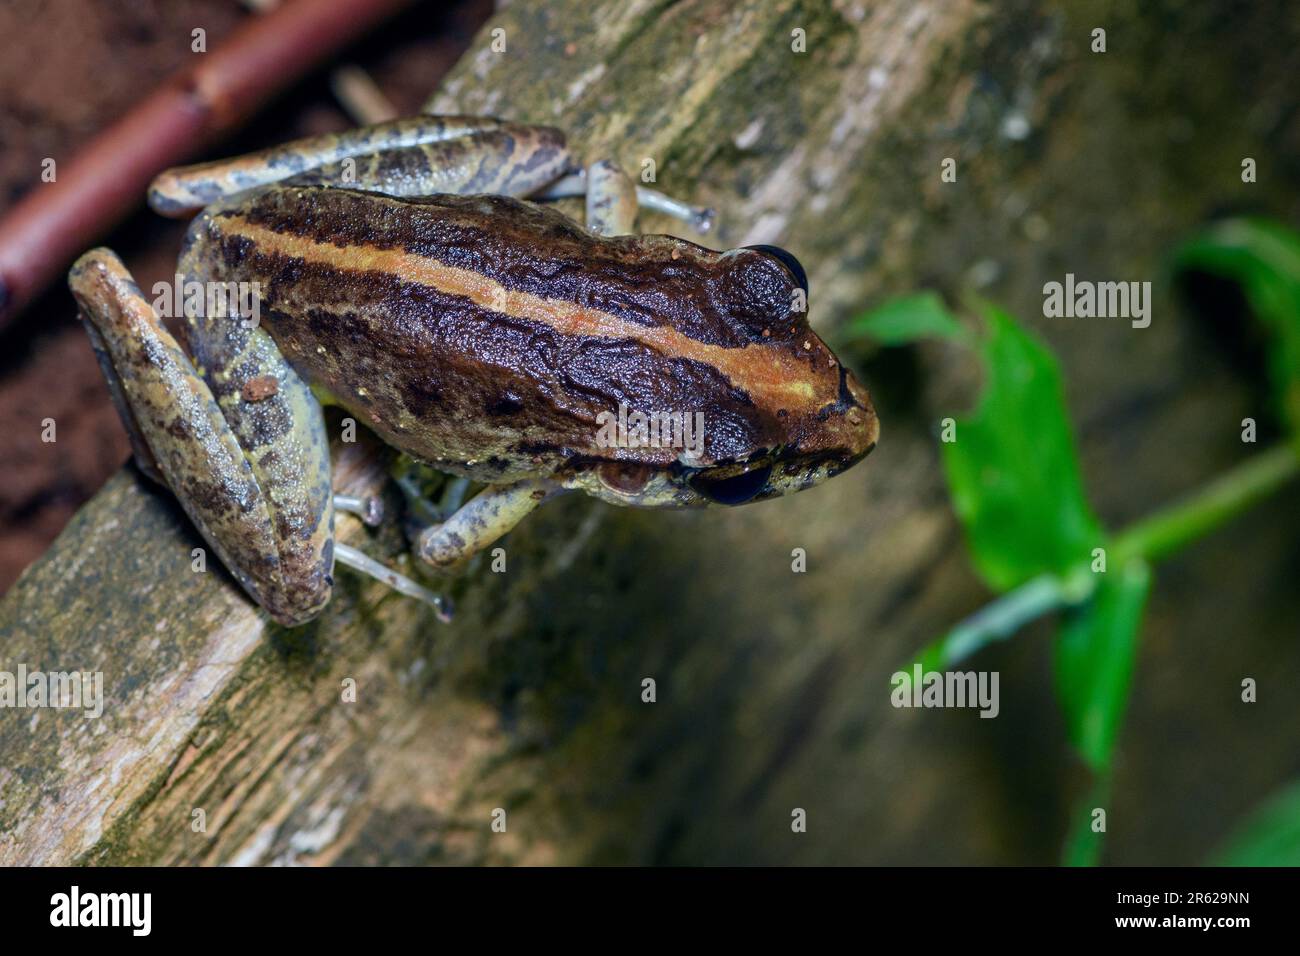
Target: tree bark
[(771, 687)]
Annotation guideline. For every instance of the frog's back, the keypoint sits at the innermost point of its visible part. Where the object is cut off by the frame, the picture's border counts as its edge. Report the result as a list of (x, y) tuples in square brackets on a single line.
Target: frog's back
[(487, 334)]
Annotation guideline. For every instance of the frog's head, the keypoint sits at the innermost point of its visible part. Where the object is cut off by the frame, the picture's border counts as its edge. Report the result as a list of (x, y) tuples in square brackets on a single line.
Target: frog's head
[(765, 407)]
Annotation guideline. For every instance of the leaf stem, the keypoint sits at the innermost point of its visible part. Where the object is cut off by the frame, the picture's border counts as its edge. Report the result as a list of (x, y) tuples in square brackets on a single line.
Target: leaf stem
[(1150, 539), (997, 620), (1232, 493)]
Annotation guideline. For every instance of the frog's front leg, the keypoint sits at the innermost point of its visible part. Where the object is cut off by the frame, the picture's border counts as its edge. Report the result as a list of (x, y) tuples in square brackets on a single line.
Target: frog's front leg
[(491, 514)]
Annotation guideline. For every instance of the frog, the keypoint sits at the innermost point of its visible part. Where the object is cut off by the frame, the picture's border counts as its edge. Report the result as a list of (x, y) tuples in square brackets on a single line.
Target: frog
[(419, 274)]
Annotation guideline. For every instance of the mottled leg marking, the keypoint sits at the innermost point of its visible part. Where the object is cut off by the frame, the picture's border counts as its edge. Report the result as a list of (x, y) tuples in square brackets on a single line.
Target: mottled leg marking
[(506, 162), (611, 199), (419, 156), (492, 513), (139, 445), (699, 218), (277, 541)]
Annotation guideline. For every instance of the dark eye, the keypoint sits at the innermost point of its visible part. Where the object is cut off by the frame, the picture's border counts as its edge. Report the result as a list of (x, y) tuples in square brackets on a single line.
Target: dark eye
[(789, 261), (735, 490)]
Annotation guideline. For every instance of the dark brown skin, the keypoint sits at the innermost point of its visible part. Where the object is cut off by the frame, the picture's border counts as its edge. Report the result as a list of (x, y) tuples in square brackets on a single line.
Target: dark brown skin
[(485, 335)]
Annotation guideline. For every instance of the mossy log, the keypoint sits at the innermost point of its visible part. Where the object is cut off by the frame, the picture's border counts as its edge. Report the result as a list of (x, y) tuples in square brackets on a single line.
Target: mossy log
[(820, 126)]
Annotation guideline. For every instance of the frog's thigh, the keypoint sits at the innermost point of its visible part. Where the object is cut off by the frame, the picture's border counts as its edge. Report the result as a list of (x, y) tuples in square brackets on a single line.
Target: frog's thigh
[(418, 156), (492, 513), (277, 543)]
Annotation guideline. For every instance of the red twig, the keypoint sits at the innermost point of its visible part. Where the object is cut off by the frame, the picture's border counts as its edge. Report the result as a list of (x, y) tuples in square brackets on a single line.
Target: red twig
[(107, 179)]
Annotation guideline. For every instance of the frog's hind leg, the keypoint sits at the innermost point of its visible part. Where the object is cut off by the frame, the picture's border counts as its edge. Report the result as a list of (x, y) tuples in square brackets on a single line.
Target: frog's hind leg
[(256, 487), (418, 156), (140, 450)]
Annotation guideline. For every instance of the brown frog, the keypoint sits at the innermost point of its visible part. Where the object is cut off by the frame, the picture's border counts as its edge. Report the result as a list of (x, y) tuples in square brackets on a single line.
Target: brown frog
[(397, 271)]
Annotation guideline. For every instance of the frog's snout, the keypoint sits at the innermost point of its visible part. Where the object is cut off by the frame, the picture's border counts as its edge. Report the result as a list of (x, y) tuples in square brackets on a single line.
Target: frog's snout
[(858, 429), (838, 437), (846, 431)]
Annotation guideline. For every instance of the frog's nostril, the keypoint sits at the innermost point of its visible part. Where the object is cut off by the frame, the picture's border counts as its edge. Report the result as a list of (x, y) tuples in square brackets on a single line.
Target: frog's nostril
[(786, 259)]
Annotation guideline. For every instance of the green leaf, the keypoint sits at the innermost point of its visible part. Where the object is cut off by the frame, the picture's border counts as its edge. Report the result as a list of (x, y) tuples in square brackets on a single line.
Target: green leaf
[(1095, 653), (1012, 469), (907, 319), (1264, 259), (1270, 836)]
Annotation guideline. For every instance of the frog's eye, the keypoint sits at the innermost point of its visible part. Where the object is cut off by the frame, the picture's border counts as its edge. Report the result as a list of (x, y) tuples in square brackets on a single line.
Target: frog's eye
[(734, 490), (624, 478), (792, 265)]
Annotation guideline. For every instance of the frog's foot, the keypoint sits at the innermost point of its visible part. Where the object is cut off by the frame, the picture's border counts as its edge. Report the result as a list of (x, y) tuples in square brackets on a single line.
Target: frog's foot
[(250, 468), (417, 156), (369, 509), (484, 519), (613, 200), (362, 562)]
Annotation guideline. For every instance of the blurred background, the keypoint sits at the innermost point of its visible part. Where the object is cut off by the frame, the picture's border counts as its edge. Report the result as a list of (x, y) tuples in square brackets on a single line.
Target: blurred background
[(774, 686)]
